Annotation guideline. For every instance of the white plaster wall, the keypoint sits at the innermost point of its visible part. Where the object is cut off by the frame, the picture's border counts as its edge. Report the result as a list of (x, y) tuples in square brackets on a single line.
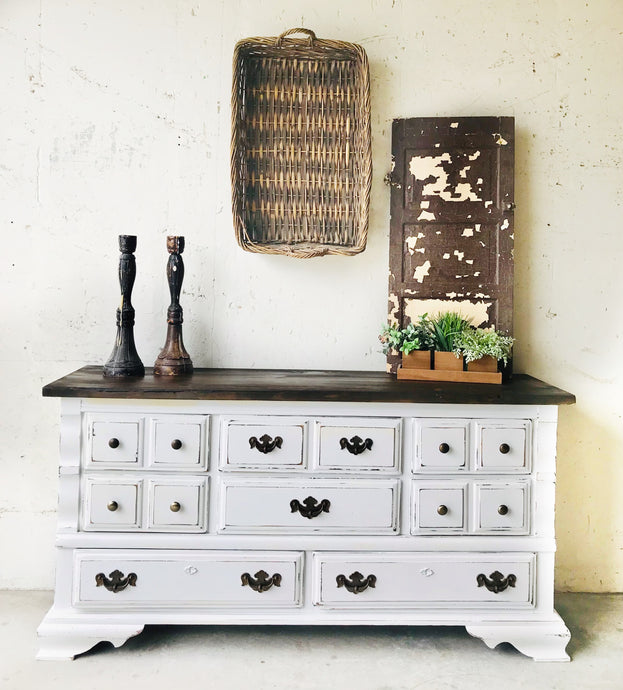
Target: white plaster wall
[(114, 118)]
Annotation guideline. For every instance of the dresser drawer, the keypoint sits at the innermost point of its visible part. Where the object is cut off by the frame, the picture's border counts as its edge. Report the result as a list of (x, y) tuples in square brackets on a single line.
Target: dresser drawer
[(439, 508), (359, 444), (449, 580), (503, 446), (112, 504), (113, 442), (357, 506), (442, 445), (264, 444), (176, 579), (178, 504), (502, 507), (178, 443)]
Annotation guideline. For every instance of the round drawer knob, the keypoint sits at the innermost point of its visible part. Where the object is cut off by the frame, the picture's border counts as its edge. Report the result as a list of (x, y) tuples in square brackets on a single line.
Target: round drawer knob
[(442, 510), (112, 506), (176, 444), (504, 448), (503, 510), (175, 507), (444, 448), (114, 443)]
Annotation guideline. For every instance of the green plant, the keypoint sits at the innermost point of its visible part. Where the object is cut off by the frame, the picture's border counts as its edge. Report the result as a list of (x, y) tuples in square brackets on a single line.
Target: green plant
[(415, 336), (446, 327), (475, 343)]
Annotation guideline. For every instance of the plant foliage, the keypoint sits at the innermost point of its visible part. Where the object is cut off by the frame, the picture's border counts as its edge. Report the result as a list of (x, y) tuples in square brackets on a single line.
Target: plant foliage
[(446, 326), (416, 336), (476, 343)]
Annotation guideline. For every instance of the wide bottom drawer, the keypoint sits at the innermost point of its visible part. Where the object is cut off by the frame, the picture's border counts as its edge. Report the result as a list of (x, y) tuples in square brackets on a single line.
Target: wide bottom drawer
[(448, 580), (123, 579)]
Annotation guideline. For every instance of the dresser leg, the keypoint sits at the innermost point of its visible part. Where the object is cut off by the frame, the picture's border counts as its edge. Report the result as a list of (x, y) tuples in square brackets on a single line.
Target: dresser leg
[(543, 641), (64, 640)]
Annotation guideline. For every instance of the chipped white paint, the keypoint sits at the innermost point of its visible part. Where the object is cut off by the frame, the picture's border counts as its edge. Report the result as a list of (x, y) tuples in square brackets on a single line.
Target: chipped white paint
[(488, 204), (499, 139), (474, 156), (454, 125), (425, 167), (476, 274), (394, 308), (479, 181), (426, 215), (446, 255), (459, 255), (421, 271), (477, 227), (478, 312), (505, 224), (469, 261), (424, 204), (467, 232), (411, 242)]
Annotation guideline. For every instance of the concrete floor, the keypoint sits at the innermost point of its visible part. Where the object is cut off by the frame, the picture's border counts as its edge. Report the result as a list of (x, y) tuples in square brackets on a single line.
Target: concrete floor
[(263, 658)]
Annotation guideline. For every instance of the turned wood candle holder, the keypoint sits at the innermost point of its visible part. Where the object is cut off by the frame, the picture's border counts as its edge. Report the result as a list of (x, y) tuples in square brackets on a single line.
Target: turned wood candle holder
[(174, 360), (124, 360)]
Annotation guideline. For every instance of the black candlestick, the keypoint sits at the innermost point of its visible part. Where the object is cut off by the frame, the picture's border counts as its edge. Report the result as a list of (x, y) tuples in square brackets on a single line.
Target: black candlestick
[(174, 360), (124, 360)]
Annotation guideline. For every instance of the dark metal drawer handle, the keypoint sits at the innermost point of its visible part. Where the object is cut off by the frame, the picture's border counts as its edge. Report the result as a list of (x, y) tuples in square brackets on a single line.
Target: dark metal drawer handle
[(266, 444), (310, 508), (503, 510), (116, 581), (442, 510), (113, 443), (496, 582), (356, 445), (176, 444), (112, 506), (504, 448), (444, 448), (357, 583), (261, 582)]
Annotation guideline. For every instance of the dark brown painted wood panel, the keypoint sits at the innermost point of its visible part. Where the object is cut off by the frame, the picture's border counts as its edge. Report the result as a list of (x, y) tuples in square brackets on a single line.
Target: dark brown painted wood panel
[(293, 384), (451, 232)]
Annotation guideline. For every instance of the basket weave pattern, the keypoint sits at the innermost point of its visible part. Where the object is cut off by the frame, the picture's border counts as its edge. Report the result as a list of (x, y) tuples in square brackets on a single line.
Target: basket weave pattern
[(301, 163)]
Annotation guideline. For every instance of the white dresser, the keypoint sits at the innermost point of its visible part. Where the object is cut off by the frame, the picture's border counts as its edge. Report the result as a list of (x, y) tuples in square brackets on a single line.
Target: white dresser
[(304, 498)]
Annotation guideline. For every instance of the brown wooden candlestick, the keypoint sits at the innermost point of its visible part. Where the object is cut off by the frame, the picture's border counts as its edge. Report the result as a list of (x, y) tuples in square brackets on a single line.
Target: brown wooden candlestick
[(174, 360), (124, 360)]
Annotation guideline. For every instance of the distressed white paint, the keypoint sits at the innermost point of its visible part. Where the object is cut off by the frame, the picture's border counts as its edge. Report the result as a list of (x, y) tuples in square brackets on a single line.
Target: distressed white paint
[(421, 271), (115, 117), (425, 167), (505, 225), (477, 312), (468, 232), (426, 215)]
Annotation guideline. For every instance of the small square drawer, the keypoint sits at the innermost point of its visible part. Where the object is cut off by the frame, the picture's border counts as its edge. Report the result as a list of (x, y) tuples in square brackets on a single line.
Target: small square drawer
[(503, 446), (114, 442), (359, 444), (112, 505), (178, 443), (439, 508), (442, 446), (178, 506), (140, 579), (502, 507), (361, 506), (264, 444)]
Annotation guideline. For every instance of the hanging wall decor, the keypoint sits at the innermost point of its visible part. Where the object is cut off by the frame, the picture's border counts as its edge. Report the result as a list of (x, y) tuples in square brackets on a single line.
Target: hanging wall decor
[(301, 162), (124, 360)]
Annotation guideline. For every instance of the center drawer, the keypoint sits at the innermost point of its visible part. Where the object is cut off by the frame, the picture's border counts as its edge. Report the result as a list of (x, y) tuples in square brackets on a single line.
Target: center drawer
[(443, 580), (127, 579), (357, 506)]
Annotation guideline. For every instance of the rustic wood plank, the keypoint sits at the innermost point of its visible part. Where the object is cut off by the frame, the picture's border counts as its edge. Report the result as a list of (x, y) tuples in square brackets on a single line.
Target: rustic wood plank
[(290, 385), (409, 374)]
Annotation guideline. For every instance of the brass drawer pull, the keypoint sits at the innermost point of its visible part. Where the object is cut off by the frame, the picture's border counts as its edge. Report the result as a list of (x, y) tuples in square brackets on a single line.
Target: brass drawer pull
[(261, 583), (266, 444), (116, 581), (504, 448), (444, 448), (310, 508), (176, 444), (503, 510), (113, 443), (356, 445), (496, 582), (442, 510), (175, 507), (112, 506), (357, 583)]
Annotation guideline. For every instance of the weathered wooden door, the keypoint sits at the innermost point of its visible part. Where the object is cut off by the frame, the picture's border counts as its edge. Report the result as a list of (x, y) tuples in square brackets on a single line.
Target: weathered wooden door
[(451, 230)]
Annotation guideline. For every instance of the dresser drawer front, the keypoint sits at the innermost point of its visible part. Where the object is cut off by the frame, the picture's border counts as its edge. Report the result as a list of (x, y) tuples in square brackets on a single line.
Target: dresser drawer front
[(359, 506), (442, 446), (187, 579), (112, 505), (178, 505), (114, 442), (361, 444), (503, 446), (178, 443), (503, 507), (439, 508), (447, 580), (264, 445)]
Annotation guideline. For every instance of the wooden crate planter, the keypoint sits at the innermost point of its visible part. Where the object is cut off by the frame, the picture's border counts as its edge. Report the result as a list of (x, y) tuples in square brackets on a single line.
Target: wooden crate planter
[(301, 162), (418, 359), (448, 367)]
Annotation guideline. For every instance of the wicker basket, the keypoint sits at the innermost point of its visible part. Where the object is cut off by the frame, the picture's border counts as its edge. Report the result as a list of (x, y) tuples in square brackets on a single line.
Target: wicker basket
[(301, 163)]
